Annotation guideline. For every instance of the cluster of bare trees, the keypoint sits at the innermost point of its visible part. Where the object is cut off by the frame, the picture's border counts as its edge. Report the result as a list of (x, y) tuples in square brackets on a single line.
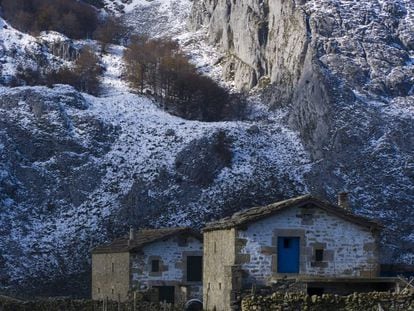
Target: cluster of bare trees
[(70, 17), (110, 30), (158, 66)]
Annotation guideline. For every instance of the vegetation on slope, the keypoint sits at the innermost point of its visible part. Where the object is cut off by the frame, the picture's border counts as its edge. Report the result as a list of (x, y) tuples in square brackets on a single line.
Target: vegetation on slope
[(159, 67), (72, 18)]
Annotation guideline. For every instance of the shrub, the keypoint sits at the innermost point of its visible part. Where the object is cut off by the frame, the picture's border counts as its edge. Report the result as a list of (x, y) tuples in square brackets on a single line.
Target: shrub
[(84, 76), (70, 17)]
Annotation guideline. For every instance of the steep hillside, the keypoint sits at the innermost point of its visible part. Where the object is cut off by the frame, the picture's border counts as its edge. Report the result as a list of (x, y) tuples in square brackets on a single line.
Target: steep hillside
[(77, 170)]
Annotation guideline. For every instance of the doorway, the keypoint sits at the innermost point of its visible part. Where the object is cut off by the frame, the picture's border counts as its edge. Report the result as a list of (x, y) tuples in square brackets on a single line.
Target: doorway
[(166, 293), (288, 254)]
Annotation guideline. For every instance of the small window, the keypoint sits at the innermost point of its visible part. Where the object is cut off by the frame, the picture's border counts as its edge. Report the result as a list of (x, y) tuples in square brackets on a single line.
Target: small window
[(220, 286), (215, 247), (99, 290), (113, 267), (112, 290), (155, 265), (318, 254), (286, 243), (194, 268)]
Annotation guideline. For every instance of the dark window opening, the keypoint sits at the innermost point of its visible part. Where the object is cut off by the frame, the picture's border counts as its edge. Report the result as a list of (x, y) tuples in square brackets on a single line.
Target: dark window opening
[(166, 293), (194, 268), (318, 254), (286, 243), (113, 267), (318, 291), (155, 265)]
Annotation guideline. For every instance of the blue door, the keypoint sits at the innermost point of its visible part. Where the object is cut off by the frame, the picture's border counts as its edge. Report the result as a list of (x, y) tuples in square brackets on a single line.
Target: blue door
[(288, 254)]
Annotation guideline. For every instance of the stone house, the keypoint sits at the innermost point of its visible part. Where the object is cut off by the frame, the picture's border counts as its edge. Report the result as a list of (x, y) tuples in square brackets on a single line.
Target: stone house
[(168, 262), (302, 244)]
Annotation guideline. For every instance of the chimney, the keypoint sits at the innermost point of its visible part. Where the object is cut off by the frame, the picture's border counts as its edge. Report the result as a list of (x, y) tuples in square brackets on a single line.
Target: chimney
[(343, 200)]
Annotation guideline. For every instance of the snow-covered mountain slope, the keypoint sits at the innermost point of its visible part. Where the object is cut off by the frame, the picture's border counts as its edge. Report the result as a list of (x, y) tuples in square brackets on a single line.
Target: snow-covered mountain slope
[(74, 167), (154, 17), (77, 170)]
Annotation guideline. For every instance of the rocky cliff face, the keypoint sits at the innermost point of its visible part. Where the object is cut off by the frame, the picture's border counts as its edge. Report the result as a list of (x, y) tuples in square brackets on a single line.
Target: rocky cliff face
[(344, 71)]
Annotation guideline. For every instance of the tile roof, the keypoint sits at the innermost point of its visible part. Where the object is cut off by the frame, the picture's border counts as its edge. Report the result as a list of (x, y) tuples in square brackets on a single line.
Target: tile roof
[(142, 238), (242, 218)]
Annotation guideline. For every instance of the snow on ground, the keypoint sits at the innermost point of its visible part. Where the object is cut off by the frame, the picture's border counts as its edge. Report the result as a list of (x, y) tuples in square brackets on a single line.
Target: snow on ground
[(143, 144), (156, 18), (13, 46), (148, 139), (20, 49), (112, 80)]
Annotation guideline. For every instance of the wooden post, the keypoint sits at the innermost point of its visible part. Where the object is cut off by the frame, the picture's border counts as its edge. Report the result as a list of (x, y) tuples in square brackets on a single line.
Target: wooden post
[(135, 301)]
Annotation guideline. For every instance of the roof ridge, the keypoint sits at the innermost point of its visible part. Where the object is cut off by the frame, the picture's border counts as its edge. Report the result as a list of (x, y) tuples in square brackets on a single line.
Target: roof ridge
[(142, 238), (258, 212)]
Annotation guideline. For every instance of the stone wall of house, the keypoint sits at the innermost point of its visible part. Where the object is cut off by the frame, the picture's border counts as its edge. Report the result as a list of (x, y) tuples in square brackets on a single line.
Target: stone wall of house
[(220, 275), (110, 276), (349, 250), (296, 302), (172, 255)]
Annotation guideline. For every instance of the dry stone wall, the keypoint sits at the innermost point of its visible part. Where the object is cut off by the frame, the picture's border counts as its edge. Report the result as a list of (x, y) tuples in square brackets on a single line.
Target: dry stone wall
[(300, 302), (80, 305)]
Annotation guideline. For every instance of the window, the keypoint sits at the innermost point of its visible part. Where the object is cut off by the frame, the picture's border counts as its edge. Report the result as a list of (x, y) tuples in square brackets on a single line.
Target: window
[(215, 247), (113, 267), (155, 265), (99, 290), (318, 254), (194, 268)]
